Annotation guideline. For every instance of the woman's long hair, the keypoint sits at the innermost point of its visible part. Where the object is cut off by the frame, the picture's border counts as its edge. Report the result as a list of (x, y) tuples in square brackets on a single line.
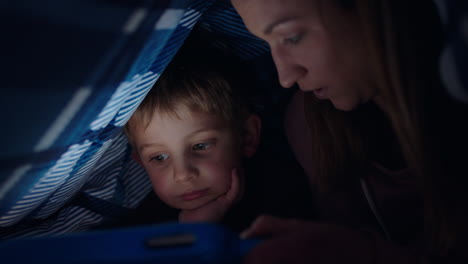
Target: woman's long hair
[(404, 42)]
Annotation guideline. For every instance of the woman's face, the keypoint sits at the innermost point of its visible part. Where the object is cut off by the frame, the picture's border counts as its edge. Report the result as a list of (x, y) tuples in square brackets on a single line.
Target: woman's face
[(316, 44)]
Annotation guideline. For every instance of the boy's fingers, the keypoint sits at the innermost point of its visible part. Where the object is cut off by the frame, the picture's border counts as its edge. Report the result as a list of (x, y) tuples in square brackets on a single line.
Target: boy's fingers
[(233, 192)]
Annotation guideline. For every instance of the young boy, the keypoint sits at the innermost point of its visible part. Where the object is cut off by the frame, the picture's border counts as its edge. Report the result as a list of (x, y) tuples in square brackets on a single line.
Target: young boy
[(191, 134)]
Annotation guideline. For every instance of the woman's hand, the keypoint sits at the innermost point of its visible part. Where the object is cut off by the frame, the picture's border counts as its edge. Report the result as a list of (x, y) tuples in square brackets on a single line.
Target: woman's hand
[(269, 226), (214, 211), (299, 241)]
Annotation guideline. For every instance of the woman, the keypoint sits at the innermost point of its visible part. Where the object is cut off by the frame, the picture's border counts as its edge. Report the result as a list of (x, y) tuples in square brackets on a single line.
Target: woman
[(379, 127)]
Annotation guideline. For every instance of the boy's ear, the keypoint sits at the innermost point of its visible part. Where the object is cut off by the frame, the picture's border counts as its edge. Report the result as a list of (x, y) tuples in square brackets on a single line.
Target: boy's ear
[(137, 158), (251, 136)]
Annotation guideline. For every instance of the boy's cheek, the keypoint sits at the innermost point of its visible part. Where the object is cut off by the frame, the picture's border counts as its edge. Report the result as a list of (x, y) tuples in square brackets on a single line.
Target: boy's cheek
[(162, 189), (158, 185)]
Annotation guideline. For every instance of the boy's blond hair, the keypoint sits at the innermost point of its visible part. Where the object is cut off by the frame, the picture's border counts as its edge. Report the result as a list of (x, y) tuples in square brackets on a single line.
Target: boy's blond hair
[(198, 86)]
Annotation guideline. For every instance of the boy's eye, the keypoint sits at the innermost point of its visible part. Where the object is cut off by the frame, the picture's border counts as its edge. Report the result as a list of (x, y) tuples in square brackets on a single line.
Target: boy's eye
[(160, 157), (201, 146)]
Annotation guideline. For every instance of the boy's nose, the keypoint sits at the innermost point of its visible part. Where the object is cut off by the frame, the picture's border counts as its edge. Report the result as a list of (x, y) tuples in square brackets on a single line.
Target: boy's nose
[(185, 172), (289, 72)]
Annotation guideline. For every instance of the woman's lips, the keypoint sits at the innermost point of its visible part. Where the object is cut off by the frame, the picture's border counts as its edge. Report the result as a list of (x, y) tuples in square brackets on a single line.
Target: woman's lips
[(321, 93), (189, 196)]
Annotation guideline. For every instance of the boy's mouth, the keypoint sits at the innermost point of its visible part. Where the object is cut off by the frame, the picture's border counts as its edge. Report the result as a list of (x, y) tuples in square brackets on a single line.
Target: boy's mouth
[(192, 195)]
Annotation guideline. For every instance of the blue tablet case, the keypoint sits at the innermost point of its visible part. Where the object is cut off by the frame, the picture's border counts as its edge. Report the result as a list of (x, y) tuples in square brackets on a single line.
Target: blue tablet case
[(165, 243)]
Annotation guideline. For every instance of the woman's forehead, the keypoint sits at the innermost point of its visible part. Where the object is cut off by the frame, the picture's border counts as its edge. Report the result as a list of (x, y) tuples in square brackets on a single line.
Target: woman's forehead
[(273, 5), (261, 15)]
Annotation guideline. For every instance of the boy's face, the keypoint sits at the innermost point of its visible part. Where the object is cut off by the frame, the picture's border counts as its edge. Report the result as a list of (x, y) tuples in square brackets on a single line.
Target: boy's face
[(189, 158)]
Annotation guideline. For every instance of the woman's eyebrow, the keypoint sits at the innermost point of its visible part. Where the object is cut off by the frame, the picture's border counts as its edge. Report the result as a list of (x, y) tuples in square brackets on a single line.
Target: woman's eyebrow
[(270, 27)]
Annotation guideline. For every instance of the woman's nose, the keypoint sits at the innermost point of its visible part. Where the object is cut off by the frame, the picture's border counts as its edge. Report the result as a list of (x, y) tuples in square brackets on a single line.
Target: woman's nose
[(289, 72)]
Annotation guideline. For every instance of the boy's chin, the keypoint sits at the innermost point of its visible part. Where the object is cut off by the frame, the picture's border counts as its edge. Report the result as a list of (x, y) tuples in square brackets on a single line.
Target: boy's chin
[(192, 205)]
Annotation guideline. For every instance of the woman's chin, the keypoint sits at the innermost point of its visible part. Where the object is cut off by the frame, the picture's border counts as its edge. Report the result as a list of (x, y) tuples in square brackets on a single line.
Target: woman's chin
[(344, 105)]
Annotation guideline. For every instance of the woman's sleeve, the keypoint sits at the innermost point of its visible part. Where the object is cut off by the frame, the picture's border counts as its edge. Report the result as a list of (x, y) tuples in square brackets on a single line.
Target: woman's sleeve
[(323, 243)]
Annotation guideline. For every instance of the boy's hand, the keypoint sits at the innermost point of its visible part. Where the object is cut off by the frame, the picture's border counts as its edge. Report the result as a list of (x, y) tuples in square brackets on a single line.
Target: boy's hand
[(214, 211)]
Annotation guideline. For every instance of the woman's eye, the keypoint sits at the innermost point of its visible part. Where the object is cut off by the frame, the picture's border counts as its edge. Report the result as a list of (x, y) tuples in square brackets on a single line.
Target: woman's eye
[(160, 157), (292, 39), (201, 146)]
